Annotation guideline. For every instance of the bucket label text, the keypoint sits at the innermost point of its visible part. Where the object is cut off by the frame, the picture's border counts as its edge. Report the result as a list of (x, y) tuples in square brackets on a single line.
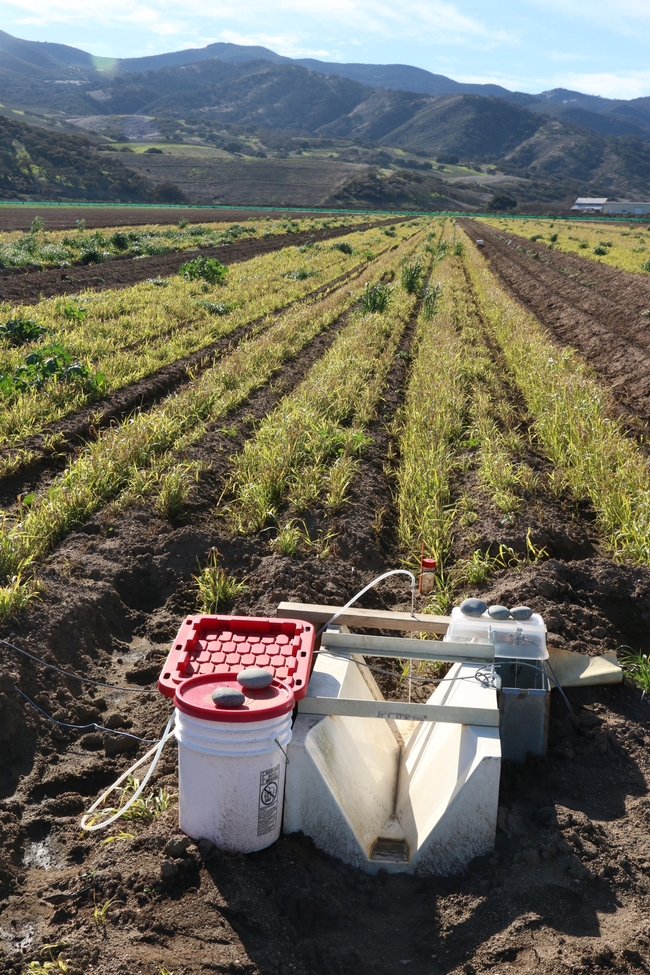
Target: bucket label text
[(267, 816)]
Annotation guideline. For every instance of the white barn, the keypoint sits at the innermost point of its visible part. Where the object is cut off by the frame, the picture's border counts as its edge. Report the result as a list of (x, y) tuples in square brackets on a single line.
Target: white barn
[(586, 205), (627, 209)]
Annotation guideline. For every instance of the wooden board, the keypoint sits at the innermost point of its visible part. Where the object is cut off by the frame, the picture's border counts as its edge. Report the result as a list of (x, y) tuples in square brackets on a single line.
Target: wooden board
[(400, 711), (371, 618)]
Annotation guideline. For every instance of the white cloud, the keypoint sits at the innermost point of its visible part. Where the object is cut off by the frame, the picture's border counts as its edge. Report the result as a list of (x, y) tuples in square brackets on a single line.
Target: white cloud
[(609, 84), (286, 44), (432, 21)]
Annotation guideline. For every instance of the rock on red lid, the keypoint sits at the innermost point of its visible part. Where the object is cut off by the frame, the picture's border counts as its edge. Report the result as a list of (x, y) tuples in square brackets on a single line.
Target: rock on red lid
[(194, 697)]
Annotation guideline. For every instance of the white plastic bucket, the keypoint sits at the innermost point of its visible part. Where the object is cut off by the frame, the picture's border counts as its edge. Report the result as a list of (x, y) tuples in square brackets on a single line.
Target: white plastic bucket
[(231, 780)]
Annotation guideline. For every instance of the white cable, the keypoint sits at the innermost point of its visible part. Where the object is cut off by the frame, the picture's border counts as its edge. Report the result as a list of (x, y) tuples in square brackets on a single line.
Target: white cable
[(167, 734), (393, 572)]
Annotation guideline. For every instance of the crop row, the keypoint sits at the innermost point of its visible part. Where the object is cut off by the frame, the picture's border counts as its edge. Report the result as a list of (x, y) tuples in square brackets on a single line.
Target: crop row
[(138, 453), (127, 334), (458, 419), (39, 249), (625, 247), (308, 448), (572, 420)]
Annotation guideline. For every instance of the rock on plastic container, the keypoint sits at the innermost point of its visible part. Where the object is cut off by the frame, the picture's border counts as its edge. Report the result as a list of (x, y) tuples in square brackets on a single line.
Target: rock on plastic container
[(232, 761)]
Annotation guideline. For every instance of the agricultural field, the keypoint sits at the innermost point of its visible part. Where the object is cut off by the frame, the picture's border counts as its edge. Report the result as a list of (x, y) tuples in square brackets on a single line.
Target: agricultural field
[(626, 246), (287, 429)]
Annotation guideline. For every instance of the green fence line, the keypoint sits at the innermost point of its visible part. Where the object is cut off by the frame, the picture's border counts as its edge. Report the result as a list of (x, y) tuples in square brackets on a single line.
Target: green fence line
[(306, 209), (206, 206)]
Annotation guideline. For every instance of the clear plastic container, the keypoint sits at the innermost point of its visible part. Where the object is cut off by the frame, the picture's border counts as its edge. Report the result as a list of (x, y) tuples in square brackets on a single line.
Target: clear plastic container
[(512, 639)]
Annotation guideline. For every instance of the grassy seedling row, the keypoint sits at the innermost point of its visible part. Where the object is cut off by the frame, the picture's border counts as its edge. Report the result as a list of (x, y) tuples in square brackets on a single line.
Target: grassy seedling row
[(127, 334), (625, 247), (308, 449), (457, 416), (40, 249), (572, 421), (137, 454)]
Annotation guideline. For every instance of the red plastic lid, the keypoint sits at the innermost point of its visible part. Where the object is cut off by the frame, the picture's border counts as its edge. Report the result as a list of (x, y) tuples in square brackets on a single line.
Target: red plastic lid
[(194, 697), (228, 644), (428, 563)]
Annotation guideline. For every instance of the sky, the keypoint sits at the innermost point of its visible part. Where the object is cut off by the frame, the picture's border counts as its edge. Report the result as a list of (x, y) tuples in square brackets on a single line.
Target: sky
[(526, 45)]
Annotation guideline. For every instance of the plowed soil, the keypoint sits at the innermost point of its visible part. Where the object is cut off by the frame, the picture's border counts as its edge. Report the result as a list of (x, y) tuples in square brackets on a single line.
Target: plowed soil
[(29, 287), (567, 889), (66, 217), (596, 309)]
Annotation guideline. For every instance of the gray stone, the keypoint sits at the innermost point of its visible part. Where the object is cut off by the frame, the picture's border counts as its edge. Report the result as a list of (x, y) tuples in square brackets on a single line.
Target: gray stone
[(255, 678), (499, 612), (473, 607), (177, 846), (228, 697), (521, 613)]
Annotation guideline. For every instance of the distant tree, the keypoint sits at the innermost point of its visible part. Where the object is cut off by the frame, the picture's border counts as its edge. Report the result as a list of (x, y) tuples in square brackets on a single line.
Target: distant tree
[(168, 193), (448, 159), (502, 202)]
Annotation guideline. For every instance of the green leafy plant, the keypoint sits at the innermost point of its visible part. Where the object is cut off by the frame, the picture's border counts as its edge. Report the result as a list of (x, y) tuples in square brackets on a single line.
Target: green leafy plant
[(215, 588), (20, 331), (147, 807), (636, 667), (174, 490), (207, 268), (37, 225), (600, 250), (48, 364), (74, 312), (412, 275), (216, 308), (52, 964), (100, 914), (430, 298), (343, 246), (91, 256), (301, 274), (375, 297), (288, 539), (119, 240)]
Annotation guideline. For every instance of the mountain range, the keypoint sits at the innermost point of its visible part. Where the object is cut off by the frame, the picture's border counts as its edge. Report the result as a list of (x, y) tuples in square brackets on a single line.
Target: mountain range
[(206, 95), (32, 60)]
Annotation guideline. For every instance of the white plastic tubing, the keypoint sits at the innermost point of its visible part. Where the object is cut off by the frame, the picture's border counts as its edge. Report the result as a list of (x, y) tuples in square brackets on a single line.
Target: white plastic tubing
[(156, 751), (385, 575)]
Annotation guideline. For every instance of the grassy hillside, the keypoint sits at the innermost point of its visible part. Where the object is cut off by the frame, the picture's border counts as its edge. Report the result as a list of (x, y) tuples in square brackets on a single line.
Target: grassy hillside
[(37, 164)]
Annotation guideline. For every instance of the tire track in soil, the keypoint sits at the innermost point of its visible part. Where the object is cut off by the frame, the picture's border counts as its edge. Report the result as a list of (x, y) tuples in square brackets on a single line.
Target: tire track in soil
[(604, 341), (29, 286), (145, 393)]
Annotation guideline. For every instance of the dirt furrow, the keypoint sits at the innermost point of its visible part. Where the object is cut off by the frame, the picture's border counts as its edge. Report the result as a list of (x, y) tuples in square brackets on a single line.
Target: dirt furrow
[(29, 287), (620, 361), (597, 296)]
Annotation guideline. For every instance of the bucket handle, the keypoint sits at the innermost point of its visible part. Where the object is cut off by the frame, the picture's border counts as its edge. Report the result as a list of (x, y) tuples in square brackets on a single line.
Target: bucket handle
[(275, 739)]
